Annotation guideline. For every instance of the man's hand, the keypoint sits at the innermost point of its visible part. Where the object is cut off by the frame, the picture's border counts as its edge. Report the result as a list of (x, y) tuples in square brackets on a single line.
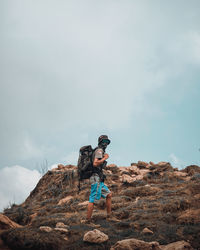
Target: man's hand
[(98, 162), (106, 156)]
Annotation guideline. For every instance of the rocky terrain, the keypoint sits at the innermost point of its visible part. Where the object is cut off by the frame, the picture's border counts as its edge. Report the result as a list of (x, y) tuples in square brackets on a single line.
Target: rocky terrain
[(155, 206)]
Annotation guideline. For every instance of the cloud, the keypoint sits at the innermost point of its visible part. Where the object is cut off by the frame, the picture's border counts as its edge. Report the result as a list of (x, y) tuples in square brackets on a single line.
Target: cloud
[(30, 150), (176, 162), (81, 67), (194, 46), (53, 166), (71, 158), (16, 183)]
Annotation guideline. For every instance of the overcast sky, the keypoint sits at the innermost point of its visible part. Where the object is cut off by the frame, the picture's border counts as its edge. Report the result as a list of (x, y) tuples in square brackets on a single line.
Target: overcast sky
[(73, 70)]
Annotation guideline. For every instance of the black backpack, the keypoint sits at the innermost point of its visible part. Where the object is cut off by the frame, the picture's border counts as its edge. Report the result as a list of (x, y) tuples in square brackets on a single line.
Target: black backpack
[(85, 163)]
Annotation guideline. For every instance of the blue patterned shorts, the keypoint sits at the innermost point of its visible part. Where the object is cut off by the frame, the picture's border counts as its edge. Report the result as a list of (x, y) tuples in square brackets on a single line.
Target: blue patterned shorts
[(98, 189)]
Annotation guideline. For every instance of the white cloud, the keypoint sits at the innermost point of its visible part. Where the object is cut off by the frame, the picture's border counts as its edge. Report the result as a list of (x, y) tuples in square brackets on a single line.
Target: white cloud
[(71, 158), (194, 38), (53, 166), (16, 183), (184, 50), (29, 149), (176, 162)]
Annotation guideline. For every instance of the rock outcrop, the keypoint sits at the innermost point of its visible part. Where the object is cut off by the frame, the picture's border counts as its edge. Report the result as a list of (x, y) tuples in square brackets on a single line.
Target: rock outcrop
[(6, 223)]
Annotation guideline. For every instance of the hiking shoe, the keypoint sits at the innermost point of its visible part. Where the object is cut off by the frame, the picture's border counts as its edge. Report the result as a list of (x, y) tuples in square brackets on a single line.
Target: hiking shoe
[(89, 223)]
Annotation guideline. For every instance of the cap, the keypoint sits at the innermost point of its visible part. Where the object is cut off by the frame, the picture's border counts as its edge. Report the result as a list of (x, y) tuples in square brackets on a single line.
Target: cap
[(103, 138)]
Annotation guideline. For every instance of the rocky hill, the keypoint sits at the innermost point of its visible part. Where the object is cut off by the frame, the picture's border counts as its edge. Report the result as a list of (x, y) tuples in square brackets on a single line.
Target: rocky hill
[(155, 206)]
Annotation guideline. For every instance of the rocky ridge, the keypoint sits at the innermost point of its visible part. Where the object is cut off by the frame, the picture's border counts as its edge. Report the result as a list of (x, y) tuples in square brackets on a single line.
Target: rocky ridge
[(155, 206)]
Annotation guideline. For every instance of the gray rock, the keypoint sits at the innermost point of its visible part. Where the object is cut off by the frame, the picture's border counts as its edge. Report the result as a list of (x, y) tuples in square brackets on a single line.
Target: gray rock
[(61, 225), (147, 231), (133, 244), (46, 229), (95, 236), (62, 230), (178, 245)]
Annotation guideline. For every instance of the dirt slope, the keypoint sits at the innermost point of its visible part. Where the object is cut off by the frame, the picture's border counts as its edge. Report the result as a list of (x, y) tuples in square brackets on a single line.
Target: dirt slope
[(145, 195)]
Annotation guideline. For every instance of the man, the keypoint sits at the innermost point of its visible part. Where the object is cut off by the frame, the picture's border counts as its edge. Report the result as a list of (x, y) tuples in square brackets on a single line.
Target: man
[(98, 188)]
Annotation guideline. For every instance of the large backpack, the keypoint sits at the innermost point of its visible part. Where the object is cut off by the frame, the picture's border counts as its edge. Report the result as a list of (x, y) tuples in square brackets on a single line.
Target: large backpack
[(85, 163)]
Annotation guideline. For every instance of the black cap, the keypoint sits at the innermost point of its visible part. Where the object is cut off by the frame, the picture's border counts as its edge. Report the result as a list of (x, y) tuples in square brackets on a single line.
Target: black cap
[(103, 137)]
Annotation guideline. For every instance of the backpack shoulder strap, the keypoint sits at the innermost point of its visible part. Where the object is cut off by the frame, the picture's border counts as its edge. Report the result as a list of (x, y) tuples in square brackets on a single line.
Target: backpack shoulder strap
[(94, 153)]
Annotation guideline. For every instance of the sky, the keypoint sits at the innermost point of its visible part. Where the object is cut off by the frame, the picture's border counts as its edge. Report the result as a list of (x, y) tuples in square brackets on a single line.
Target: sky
[(71, 71)]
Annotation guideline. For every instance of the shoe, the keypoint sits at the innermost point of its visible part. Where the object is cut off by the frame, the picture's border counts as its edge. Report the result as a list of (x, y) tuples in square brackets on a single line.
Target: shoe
[(89, 223)]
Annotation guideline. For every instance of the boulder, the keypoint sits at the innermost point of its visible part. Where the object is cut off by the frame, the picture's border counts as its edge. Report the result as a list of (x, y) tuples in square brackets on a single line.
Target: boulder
[(70, 167), (191, 170), (180, 174), (197, 196), (108, 172), (134, 169), (189, 216), (133, 164), (32, 217), (127, 179), (162, 163), (147, 231), (65, 200), (62, 230), (60, 166), (95, 236), (123, 168), (142, 164), (133, 244), (161, 167), (138, 177), (179, 245), (46, 229), (6, 223), (83, 204), (113, 168), (143, 172), (61, 225)]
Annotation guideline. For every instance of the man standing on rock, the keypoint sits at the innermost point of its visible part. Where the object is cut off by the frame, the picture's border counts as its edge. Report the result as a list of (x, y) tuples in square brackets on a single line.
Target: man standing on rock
[(98, 188)]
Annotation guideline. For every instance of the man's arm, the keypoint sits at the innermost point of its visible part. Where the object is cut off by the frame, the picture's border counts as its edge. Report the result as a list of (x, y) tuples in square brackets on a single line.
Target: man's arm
[(98, 162)]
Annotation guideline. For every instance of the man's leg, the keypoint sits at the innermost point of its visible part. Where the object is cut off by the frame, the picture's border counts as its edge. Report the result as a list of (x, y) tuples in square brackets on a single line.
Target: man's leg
[(105, 193), (93, 194), (90, 210), (108, 204), (110, 217)]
